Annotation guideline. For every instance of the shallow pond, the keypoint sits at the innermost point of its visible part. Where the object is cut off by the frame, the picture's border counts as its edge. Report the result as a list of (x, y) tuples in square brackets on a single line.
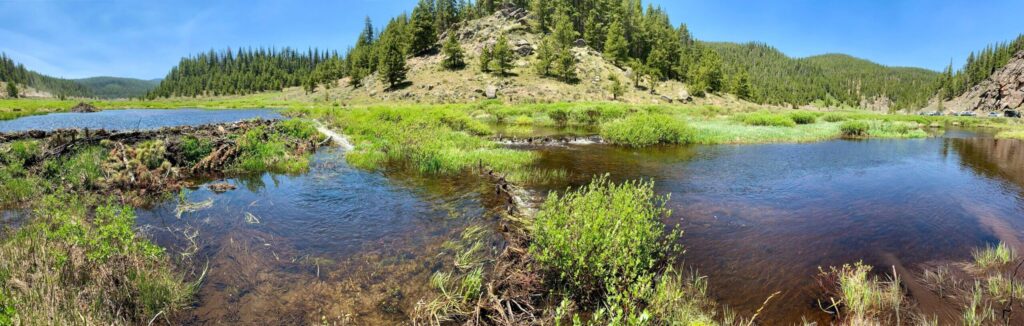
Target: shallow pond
[(133, 119), (345, 244), (762, 218)]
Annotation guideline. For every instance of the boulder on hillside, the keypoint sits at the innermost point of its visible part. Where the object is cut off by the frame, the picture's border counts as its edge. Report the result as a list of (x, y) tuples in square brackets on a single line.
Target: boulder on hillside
[(491, 92), (523, 48), (83, 107)]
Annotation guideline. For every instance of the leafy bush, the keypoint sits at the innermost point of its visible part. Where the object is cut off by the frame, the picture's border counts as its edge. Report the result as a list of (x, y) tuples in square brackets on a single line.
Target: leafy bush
[(298, 128), (768, 119), (194, 149), (645, 130), (602, 236), (854, 128), (803, 118)]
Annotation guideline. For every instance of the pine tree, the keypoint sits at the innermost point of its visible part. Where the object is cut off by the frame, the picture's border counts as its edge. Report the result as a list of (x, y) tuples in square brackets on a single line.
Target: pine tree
[(366, 37), (446, 16), (615, 46), (486, 55), (541, 10), (615, 87), (454, 58), (545, 57), (503, 55), (392, 63), (706, 75), (12, 90), (565, 65), (422, 36)]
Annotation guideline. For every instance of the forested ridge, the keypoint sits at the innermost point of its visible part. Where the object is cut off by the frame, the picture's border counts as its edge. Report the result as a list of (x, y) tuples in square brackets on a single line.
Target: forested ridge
[(17, 75), (628, 33), (117, 87), (835, 78), (242, 71), (979, 66)]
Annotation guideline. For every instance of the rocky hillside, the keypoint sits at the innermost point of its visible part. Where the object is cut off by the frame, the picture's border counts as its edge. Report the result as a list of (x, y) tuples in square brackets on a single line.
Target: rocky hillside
[(429, 82), (1003, 90)]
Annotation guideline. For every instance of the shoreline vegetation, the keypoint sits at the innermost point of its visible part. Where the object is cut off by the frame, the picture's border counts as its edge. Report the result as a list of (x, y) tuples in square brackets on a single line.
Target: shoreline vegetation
[(93, 246), (76, 256)]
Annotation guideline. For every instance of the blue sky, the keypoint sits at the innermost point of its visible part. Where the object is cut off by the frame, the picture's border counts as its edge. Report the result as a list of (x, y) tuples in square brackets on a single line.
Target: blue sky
[(145, 38)]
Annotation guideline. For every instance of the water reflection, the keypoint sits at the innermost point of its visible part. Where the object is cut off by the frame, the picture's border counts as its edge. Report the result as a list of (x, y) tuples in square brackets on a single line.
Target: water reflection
[(762, 218)]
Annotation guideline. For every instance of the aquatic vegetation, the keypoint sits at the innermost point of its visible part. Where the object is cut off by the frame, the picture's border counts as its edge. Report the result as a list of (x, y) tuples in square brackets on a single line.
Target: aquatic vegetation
[(1011, 134), (895, 129), (601, 236), (803, 117), (646, 130), (855, 128), (724, 131), (767, 119), (861, 299), (993, 257)]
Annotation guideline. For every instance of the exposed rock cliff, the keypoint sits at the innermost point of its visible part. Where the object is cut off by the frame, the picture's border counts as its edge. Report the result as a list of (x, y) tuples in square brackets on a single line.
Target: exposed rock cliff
[(1003, 90)]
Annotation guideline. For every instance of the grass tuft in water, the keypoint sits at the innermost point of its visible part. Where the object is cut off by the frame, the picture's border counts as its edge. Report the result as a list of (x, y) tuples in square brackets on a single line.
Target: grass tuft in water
[(993, 257), (767, 119), (646, 130)]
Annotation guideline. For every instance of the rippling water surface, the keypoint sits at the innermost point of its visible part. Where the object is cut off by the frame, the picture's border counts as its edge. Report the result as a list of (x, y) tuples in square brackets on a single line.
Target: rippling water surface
[(133, 119), (762, 218)]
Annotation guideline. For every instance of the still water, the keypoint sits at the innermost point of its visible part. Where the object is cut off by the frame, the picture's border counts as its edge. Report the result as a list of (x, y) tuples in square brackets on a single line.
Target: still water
[(762, 218), (133, 119), (336, 243)]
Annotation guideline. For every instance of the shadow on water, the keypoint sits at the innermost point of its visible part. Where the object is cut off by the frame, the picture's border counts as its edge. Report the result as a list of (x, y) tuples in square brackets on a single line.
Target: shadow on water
[(762, 218), (336, 243)]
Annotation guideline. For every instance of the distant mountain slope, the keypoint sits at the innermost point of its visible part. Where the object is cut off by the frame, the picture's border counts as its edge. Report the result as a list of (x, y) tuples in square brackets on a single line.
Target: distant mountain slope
[(116, 87), (11, 72), (1002, 90), (780, 79)]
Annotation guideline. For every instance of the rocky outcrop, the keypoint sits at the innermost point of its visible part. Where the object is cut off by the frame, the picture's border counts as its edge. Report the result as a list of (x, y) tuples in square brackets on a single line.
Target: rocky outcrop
[(1001, 91)]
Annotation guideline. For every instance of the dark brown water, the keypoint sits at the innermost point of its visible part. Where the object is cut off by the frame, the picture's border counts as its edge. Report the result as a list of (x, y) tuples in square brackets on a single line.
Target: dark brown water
[(337, 244), (762, 218)]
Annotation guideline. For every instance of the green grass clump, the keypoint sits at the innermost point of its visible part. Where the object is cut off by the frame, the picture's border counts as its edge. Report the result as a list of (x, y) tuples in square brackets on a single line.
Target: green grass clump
[(645, 130), (833, 117), (75, 264), (855, 128), (194, 149), (726, 131), (863, 299), (278, 149), (1010, 134), (803, 118), (992, 257), (766, 119), (896, 129)]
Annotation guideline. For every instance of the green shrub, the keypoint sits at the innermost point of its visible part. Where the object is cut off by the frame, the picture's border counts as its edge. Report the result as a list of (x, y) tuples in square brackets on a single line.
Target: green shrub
[(194, 149), (854, 128), (602, 236), (803, 118), (298, 128), (645, 130), (768, 119)]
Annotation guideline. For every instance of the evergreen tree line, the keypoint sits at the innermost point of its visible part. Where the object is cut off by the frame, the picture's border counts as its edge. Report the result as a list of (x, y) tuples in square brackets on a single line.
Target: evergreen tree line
[(977, 68), (15, 75), (832, 78), (628, 33), (246, 71)]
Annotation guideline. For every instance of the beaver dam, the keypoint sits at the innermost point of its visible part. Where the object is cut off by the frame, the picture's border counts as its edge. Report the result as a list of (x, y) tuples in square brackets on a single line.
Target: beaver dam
[(266, 222)]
